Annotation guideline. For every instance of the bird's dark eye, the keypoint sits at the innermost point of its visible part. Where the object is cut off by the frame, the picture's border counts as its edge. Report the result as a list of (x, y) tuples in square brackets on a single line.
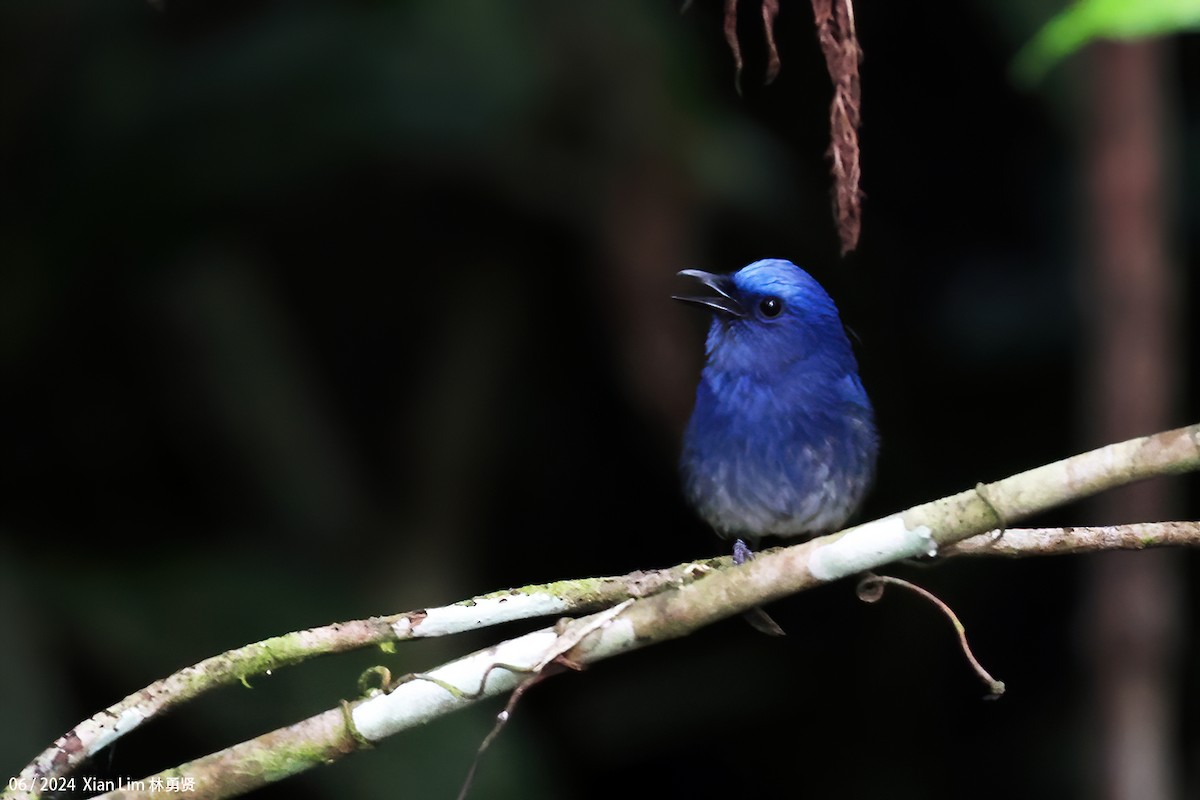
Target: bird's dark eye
[(770, 307)]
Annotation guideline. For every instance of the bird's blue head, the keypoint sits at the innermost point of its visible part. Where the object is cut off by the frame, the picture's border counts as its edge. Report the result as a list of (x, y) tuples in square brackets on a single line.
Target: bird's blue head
[(769, 315)]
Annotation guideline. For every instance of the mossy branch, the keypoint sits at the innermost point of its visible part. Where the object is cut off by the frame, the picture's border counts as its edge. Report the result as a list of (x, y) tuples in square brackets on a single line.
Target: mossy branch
[(639, 609)]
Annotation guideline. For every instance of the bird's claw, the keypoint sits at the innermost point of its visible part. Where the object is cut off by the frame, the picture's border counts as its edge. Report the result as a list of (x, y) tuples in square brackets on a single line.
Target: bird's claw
[(741, 553)]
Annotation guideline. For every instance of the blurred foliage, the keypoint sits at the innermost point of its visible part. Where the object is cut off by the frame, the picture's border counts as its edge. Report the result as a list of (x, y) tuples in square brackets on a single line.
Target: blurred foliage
[(1087, 20)]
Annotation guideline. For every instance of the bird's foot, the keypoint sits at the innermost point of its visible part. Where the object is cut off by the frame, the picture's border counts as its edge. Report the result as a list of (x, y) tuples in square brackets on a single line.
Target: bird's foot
[(759, 620)]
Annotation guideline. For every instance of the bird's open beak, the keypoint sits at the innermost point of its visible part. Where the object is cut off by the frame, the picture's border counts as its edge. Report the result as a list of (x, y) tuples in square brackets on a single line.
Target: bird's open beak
[(725, 300)]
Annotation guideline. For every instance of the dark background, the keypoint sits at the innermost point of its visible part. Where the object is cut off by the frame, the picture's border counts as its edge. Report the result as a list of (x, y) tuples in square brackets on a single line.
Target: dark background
[(310, 312)]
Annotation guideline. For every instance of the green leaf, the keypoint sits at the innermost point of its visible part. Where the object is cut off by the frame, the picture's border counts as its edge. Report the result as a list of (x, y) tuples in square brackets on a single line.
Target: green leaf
[(1100, 19)]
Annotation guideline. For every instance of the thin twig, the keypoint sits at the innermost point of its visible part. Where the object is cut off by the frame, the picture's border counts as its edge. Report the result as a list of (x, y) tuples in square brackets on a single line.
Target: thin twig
[(560, 664), (870, 590)]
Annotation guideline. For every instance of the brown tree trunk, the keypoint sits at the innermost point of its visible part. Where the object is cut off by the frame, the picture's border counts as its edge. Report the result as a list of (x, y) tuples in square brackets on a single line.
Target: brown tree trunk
[(1131, 310)]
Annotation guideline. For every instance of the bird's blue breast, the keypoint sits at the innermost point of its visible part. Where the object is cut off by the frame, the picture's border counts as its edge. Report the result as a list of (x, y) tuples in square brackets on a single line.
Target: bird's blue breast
[(779, 453)]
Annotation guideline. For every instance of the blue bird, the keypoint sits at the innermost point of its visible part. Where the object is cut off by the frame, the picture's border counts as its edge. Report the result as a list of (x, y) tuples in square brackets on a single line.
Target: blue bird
[(782, 439)]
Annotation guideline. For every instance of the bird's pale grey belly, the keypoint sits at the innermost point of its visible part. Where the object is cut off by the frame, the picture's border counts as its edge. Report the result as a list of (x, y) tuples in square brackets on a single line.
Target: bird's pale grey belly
[(755, 487)]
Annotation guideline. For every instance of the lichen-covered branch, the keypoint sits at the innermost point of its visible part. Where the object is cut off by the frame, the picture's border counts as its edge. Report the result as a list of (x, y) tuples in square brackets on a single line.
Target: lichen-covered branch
[(663, 606), (239, 665), (1026, 542)]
